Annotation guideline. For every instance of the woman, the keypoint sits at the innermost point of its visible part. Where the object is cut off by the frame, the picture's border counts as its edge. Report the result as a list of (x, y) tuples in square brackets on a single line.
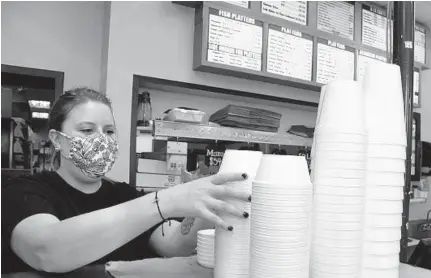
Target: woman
[(60, 221)]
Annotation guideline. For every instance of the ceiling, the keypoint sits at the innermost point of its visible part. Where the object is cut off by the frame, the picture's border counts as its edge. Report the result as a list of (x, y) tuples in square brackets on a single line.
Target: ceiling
[(423, 13)]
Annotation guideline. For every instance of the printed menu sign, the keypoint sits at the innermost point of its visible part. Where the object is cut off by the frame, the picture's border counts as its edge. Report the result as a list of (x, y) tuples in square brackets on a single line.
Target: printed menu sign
[(416, 85), (234, 40), (294, 11), (374, 25), (420, 44), (366, 58), (243, 4), (290, 52), (337, 18), (334, 60)]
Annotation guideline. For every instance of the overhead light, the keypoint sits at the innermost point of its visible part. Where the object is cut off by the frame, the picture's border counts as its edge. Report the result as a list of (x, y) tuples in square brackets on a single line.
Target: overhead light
[(39, 104), (40, 115)]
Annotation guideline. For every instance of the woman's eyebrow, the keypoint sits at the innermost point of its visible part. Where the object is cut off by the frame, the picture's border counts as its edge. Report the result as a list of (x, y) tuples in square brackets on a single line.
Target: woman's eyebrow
[(80, 123)]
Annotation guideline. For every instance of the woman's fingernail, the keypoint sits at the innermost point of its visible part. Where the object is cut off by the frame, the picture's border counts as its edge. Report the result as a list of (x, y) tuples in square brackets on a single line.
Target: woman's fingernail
[(245, 214), (249, 198), (244, 176), (230, 228)]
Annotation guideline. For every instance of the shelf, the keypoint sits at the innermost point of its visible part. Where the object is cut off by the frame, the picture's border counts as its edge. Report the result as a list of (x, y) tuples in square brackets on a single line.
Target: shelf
[(165, 130)]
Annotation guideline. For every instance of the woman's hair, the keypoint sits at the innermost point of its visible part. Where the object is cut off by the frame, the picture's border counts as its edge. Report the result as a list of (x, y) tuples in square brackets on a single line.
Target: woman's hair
[(64, 104)]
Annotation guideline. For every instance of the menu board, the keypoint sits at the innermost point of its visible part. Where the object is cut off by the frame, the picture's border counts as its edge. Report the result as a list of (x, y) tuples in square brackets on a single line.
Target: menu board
[(374, 27), (420, 44), (334, 60), (337, 18), (416, 87), (243, 4), (234, 40), (364, 59), (290, 53), (294, 11)]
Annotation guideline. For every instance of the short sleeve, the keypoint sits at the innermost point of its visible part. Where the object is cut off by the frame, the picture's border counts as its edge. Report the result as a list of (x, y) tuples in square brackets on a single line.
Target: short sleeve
[(20, 200)]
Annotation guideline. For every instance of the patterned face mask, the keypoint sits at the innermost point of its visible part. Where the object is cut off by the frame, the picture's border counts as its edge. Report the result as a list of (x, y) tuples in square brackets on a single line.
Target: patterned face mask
[(94, 155)]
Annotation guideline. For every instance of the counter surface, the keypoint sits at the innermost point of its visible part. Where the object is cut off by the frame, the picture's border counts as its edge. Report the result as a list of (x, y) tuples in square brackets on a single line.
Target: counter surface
[(168, 268)]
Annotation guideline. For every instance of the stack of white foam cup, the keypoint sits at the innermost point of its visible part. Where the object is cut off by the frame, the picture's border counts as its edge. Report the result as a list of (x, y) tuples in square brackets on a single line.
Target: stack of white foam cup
[(339, 167), (232, 248), (205, 248), (385, 170), (313, 147), (281, 218)]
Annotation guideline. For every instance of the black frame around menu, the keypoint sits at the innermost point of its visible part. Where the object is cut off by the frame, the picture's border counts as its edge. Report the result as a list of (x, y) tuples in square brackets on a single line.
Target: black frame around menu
[(201, 44)]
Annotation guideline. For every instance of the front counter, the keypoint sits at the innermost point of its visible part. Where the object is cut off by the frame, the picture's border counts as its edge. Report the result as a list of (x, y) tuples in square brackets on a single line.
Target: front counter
[(408, 271)]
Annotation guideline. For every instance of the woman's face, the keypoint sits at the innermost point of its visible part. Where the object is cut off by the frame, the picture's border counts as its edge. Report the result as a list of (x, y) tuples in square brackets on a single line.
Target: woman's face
[(84, 120)]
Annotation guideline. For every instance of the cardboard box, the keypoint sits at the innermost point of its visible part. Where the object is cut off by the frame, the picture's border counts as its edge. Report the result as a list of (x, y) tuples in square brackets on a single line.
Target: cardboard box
[(175, 162), (152, 166), (174, 147), (155, 180), (144, 143)]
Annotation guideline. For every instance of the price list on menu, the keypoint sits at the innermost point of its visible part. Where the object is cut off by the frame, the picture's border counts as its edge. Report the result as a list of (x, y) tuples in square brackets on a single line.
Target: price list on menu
[(234, 40), (366, 58), (337, 18), (334, 60), (420, 44), (294, 11), (374, 25), (290, 53), (243, 4)]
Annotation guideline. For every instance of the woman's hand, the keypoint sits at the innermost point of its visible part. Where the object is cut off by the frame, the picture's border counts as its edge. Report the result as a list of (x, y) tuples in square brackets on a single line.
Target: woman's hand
[(202, 197)]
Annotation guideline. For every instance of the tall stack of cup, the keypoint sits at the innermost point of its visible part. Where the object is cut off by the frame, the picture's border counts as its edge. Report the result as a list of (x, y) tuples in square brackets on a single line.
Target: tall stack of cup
[(385, 170), (232, 248), (339, 165), (281, 218), (319, 110)]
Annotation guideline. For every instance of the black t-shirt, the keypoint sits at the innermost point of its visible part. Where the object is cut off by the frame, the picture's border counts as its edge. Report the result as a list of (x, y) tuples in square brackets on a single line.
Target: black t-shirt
[(48, 193)]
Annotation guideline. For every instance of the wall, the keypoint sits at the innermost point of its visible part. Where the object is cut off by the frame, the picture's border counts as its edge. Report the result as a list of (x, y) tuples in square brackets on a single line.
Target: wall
[(105, 46), (60, 36), (156, 39)]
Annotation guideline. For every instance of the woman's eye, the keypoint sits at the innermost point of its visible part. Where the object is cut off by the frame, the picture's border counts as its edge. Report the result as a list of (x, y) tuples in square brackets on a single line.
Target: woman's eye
[(86, 130), (110, 132)]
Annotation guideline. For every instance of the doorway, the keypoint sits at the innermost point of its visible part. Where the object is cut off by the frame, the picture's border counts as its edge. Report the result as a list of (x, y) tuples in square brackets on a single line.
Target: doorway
[(27, 96)]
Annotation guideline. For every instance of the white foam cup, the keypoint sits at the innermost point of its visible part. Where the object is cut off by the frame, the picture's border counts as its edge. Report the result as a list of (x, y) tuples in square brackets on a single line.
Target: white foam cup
[(381, 262), (383, 220), (381, 247), (381, 192), (384, 178), (386, 165), (283, 169), (382, 234), (241, 161)]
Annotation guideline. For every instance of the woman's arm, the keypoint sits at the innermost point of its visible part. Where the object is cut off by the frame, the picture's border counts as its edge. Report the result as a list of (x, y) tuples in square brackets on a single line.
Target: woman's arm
[(47, 244), (180, 239)]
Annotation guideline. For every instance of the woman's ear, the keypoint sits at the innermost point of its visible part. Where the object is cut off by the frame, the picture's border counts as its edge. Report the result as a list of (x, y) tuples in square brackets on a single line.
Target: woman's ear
[(55, 139)]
